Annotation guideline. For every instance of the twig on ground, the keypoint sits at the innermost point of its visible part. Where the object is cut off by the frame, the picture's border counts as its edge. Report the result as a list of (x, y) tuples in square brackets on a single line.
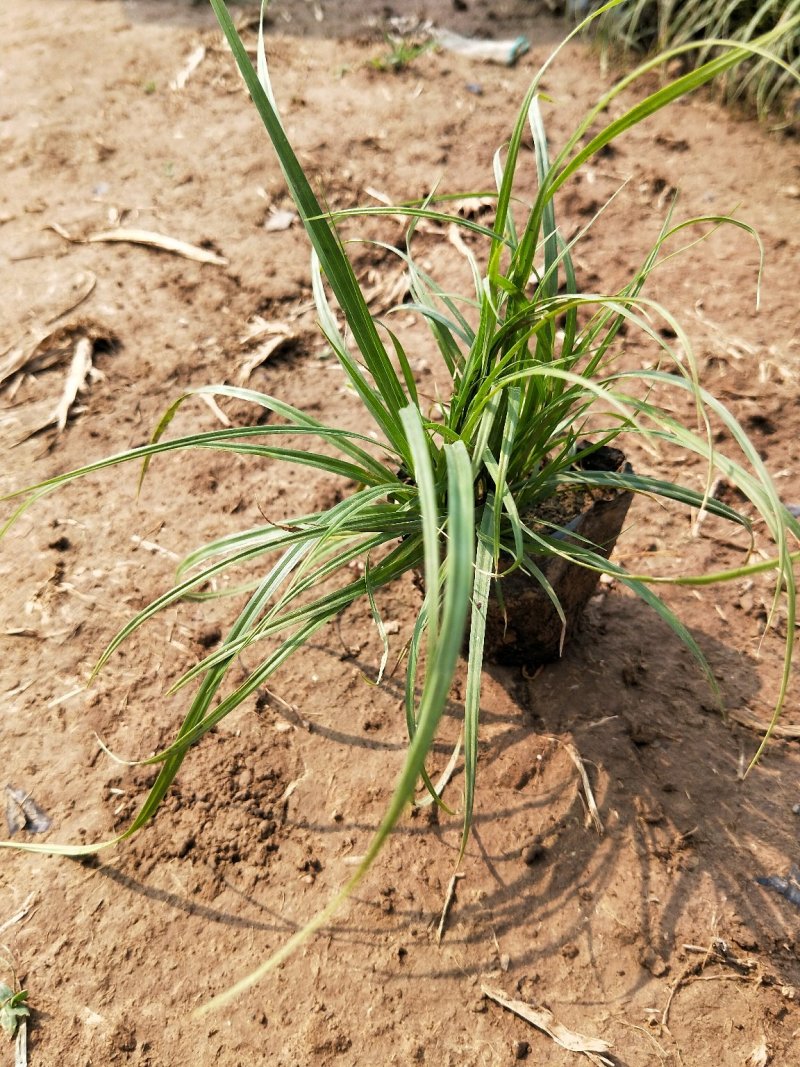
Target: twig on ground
[(290, 711), (673, 989), (151, 546), (745, 717), (716, 952), (662, 1052), (449, 897), (20, 915), (575, 756), (149, 239)]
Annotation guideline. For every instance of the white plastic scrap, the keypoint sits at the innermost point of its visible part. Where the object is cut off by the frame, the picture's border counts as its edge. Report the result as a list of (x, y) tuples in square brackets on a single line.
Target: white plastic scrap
[(506, 52)]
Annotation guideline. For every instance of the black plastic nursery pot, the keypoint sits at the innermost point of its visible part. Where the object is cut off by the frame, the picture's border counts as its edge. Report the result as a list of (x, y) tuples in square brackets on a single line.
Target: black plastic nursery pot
[(526, 628)]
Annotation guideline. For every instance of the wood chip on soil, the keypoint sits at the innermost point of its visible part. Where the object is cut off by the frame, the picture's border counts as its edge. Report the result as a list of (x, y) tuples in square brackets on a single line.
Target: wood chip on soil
[(21, 1045), (77, 374), (760, 1056), (278, 220), (193, 61)]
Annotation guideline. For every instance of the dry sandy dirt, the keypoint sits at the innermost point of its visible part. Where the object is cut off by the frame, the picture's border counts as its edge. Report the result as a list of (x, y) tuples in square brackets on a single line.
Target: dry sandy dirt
[(655, 935)]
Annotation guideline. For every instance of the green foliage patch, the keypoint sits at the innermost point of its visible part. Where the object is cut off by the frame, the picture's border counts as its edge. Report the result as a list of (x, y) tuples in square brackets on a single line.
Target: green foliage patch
[(699, 26)]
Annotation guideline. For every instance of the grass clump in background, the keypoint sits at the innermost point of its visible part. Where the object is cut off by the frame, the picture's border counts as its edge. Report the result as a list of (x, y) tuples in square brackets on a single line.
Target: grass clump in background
[(646, 26)]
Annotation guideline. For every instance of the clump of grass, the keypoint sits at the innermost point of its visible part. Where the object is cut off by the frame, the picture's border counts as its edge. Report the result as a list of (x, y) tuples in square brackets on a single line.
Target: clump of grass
[(400, 54), (534, 365), (659, 25)]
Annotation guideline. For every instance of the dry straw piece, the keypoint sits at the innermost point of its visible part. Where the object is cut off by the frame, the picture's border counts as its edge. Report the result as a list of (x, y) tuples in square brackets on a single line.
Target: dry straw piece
[(544, 1020)]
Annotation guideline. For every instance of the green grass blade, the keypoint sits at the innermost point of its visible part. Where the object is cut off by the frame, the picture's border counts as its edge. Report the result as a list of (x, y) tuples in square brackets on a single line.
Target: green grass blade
[(460, 527), (484, 569), (383, 402), (422, 472)]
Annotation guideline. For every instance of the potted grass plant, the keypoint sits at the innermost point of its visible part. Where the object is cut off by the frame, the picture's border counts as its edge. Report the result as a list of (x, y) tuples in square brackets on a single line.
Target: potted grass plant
[(462, 496)]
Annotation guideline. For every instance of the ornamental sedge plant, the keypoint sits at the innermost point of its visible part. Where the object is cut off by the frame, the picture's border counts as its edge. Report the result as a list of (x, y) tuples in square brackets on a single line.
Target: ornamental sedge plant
[(534, 365)]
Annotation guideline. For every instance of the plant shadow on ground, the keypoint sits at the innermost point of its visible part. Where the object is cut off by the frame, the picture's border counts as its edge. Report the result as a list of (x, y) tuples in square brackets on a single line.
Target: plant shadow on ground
[(665, 770), (664, 767)]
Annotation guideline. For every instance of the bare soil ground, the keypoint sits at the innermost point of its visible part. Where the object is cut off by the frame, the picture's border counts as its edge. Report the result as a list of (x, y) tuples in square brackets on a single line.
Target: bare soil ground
[(270, 810)]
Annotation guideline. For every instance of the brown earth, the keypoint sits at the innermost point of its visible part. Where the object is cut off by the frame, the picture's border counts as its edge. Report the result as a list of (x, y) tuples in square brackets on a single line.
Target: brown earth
[(269, 811)]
